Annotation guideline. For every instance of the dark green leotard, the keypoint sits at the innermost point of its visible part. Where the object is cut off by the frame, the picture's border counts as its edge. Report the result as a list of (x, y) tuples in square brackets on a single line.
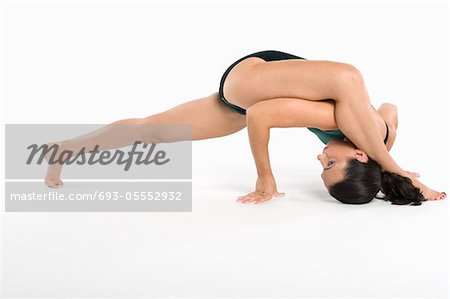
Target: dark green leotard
[(326, 136)]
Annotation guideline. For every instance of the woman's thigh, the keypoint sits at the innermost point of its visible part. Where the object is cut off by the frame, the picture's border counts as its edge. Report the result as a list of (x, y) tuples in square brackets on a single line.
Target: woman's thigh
[(296, 78), (208, 116)]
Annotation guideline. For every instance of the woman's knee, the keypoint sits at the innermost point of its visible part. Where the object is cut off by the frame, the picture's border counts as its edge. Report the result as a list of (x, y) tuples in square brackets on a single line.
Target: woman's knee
[(348, 78), (146, 130)]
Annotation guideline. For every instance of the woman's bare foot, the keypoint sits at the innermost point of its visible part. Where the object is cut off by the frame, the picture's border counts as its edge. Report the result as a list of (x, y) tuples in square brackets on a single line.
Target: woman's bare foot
[(428, 193), (433, 195), (52, 177)]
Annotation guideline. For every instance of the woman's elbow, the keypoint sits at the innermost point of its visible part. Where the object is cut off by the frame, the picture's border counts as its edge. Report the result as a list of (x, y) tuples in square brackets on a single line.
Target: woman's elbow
[(256, 115)]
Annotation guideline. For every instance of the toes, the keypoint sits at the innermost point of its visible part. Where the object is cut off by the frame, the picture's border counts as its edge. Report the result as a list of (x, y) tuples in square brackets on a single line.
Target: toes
[(442, 196), (55, 185)]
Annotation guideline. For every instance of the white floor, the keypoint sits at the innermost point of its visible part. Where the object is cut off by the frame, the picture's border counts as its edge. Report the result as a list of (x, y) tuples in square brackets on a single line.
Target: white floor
[(306, 244), (107, 63)]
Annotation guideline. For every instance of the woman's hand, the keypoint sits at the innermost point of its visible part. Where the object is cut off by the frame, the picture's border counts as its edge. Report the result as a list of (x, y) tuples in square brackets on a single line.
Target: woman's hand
[(266, 188), (412, 175)]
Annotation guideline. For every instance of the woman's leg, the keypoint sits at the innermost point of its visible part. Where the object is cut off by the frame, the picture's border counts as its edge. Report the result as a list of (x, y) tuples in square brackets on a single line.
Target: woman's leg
[(315, 80), (208, 116)]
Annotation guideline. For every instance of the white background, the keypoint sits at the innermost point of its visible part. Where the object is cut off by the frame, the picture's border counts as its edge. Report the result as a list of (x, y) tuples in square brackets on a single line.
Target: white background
[(97, 62)]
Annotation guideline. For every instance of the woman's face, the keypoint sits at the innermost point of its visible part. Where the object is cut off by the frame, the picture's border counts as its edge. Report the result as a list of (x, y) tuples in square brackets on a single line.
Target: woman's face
[(334, 159)]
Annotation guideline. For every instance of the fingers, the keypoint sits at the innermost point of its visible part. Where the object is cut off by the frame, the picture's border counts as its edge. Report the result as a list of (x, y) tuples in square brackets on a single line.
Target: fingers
[(244, 196), (279, 194), (414, 174), (262, 199), (254, 197), (258, 197), (248, 197)]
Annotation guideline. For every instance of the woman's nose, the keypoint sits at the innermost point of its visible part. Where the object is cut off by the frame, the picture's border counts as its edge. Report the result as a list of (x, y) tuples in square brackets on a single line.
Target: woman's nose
[(321, 158)]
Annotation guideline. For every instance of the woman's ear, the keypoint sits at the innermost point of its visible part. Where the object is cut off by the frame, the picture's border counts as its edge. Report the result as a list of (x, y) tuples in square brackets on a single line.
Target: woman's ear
[(361, 156)]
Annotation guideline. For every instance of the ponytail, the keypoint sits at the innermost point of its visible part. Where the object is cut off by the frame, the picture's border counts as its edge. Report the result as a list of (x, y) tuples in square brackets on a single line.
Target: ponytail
[(362, 182), (399, 190)]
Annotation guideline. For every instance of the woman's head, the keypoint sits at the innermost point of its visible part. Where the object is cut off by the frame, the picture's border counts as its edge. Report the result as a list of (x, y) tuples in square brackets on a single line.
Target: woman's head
[(334, 160), (352, 177)]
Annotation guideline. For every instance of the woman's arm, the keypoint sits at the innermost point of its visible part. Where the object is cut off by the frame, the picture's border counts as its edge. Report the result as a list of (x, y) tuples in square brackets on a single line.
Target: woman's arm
[(285, 113), (290, 112), (280, 112)]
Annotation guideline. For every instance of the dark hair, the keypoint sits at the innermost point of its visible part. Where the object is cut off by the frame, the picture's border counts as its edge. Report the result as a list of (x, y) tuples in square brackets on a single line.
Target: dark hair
[(363, 181)]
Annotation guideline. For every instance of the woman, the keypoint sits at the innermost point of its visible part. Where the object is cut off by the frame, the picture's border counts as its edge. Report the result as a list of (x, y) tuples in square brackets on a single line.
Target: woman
[(271, 88)]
